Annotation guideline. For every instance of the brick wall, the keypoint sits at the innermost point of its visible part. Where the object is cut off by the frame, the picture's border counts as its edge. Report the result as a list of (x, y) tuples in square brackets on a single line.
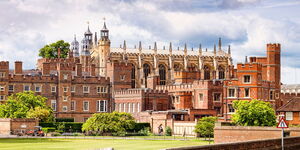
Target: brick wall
[(8, 125)]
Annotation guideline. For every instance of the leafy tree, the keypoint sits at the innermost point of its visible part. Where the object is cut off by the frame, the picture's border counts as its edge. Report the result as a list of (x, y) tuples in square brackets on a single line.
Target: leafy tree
[(205, 126), (50, 51), (116, 122), (26, 105), (253, 113)]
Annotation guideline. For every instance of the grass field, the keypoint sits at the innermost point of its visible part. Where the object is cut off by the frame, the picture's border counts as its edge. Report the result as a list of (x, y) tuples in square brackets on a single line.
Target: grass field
[(93, 144)]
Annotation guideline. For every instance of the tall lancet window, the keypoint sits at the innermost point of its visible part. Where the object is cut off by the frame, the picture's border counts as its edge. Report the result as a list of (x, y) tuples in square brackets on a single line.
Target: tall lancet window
[(162, 74), (133, 76), (221, 72), (206, 73), (146, 72)]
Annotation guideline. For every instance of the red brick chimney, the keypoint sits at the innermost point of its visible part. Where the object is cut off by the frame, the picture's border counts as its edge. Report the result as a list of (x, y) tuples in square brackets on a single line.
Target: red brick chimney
[(79, 70), (46, 68), (18, 67), (93, 71)]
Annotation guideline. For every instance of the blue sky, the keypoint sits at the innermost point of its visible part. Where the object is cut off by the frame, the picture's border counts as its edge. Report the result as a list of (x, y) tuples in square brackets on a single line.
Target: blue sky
[(247, 25)]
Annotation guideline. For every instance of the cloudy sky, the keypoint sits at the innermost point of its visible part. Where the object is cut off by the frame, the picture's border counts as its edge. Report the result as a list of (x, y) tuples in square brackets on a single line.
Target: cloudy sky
[(247, 25)]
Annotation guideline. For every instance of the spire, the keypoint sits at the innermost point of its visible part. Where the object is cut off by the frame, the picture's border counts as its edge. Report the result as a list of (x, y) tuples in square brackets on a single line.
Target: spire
[(124, 45), (229, 51), (220, 44), (185, 48), (164, 47), (246, 59), (215, 51), (104, 26), (206, 49), (200, 49), (170, 47), (104, 32), (155, 46), (178, 48), (96, 39), (140, 46)]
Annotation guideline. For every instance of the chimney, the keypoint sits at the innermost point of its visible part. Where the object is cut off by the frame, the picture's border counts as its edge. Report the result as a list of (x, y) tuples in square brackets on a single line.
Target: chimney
[(46, 68), (79, 70), (18, 67), (58, 53), (93, 73)]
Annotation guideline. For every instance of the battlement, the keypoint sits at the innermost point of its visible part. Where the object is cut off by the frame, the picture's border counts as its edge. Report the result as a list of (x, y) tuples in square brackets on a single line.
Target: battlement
[(65, 66), (273, 47), (138, 92), (249, 66), (175, 87)]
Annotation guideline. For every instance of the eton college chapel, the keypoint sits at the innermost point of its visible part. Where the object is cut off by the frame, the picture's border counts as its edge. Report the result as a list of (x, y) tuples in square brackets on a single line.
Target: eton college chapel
[(168, 83)]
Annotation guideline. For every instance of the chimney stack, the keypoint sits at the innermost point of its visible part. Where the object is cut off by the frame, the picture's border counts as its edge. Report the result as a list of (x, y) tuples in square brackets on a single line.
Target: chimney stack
[(18, 67), (78, 70), (46, 68)]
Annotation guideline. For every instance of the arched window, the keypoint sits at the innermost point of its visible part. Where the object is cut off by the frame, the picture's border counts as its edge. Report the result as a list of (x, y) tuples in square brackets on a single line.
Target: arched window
[(133, 76), (177, 67), (146, 68), (206, 73), (221, 72), (162, 74)]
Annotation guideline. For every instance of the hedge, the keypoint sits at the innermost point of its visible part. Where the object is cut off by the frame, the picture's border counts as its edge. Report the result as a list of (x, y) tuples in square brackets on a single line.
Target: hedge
[(69, 126), (64, 119), (139, 126)]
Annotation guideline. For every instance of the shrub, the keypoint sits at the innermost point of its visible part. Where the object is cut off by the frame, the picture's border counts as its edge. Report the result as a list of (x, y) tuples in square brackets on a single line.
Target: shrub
[(59, 131), (168, 131), (139, 126), (48, 124), (47, 130), (145, 132), (73, 126), (56, 134)]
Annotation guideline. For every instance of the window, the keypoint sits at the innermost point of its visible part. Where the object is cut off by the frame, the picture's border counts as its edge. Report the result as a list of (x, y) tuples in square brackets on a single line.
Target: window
[(138, 107), (200, 97), (247, 92), (221, 72), (231, 92), (65, 98), (99, 89), (65, 76), (10, 88), (102, 106), (53, 89), (53, 105), (73, 89), (146, 70), (86, 89), (129, 107), (177, 99), (65, 108), (289, 115), (65, 89), (247, 79), (38, 88), (73, 105), (2, 74), (2, 88), (162, 74), (206, 73), (85, 106), (2, 97), (133, 107), (230, 108), (218, 109), (26, 88), (124, 107), (133, 77), (217, 97), (120, 107), (271, 95)]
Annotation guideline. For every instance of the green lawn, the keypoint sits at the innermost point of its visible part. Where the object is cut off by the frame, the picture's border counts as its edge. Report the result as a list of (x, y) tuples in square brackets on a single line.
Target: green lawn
[(93, 144)]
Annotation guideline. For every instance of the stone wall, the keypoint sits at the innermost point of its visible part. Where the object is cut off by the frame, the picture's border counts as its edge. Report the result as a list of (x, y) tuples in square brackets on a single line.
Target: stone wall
[(290, 143)]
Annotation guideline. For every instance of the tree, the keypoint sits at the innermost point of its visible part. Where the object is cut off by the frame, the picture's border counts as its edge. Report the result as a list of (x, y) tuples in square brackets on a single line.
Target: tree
[(26, 105), (116, 122), (253, 113), (50, 51), (168, 131), (205, 126)]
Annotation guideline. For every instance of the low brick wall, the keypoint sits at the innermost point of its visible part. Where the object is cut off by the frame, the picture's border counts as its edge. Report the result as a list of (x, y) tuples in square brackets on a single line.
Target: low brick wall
[(228, 134), (8, 126), (290, 143)]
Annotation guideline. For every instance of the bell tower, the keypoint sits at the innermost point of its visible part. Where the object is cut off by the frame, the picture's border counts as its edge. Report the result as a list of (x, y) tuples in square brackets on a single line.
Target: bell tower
[(102, 51)]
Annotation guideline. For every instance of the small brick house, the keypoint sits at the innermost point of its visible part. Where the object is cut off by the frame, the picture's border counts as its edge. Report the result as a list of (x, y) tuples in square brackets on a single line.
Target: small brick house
[(291, 111)]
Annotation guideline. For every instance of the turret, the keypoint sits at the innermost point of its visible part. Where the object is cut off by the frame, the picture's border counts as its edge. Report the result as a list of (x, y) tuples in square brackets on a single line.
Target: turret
[(75, 47), (170, 48)]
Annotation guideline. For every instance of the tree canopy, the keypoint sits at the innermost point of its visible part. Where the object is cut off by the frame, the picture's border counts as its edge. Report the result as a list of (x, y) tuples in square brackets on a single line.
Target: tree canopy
[(115, 122), (50, 50), (205, 126), (26, 105), (253, 113)]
